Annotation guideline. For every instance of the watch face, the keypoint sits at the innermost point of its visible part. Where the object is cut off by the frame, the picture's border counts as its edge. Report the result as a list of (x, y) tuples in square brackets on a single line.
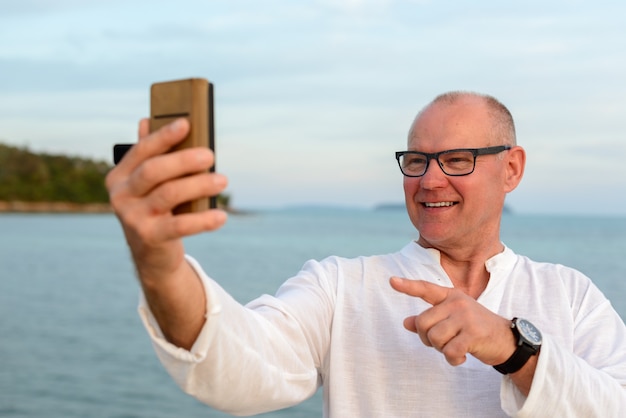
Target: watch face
[(528, 331)]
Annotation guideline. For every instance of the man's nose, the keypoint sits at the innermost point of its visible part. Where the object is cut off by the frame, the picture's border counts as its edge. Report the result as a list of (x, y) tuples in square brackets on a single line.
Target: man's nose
[(434, 176)]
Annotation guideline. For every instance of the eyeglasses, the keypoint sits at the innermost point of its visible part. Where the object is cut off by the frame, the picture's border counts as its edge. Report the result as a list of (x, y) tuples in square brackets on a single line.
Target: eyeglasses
[(453, 162)]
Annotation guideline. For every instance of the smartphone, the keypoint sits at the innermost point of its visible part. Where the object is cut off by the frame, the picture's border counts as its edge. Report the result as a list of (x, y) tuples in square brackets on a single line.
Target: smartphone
[(190, 98)]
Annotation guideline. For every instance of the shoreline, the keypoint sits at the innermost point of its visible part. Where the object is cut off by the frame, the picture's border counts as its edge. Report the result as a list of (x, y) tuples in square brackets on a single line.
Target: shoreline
[(17, 206)]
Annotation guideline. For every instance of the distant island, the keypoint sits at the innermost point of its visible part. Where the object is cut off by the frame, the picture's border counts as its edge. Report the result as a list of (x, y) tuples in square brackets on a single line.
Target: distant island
[(390, 206), (41, 182)]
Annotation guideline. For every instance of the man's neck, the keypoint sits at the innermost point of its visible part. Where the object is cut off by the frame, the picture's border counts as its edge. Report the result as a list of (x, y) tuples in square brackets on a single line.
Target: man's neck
[(466, 266)]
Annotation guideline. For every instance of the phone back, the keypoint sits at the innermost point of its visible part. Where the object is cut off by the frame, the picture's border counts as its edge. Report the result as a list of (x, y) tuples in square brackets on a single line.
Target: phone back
[(192, 99)]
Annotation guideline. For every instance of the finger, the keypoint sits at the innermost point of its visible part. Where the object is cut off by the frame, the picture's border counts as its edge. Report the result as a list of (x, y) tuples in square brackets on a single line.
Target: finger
[(455, 350), (442, 333), (144, 128), (159, 230), (161, 140), (167, 196), (409, 323), (187, 224), (149, 145), (429, 292), (444, 336), (155, 143), (432, 326), (162, 168)]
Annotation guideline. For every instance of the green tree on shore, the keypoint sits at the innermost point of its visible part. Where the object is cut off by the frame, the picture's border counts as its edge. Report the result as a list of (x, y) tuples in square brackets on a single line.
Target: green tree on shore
[(32, 177), (39, 177)]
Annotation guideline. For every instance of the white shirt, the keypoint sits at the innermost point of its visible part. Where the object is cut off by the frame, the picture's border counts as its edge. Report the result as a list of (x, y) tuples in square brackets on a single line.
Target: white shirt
[(339, 323)]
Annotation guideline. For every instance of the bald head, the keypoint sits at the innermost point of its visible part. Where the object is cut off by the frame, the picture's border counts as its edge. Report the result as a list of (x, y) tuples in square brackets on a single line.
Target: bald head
[(502, 125)]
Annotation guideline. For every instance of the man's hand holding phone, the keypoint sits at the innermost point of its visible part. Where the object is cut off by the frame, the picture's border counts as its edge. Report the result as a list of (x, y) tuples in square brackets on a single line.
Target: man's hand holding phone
[(147, 185), (149, 182)]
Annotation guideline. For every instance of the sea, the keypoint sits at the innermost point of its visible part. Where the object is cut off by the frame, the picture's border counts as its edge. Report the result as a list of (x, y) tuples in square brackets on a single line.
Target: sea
[(72, 345)]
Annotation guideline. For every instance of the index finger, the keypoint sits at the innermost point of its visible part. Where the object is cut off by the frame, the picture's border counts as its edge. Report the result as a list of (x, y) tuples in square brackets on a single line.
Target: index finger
[(144, 128), (429, 292), (151, 144)]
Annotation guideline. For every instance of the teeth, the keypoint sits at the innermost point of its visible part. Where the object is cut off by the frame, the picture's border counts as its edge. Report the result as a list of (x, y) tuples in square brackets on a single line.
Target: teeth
[(438, 204)]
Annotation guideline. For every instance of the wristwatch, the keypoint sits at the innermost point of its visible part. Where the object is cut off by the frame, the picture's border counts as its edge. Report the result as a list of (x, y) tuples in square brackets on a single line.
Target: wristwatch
[(528, 344)]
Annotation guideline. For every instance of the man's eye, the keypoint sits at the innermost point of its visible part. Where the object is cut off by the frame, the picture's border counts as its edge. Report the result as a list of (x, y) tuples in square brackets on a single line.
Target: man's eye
[(458, 159), (415, 160)]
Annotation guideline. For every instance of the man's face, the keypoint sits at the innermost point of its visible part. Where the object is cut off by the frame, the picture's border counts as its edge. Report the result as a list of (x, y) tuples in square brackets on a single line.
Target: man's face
[(456, 212)]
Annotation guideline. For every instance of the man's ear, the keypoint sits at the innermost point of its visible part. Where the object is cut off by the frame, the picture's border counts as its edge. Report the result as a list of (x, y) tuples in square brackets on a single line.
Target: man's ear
[(515, 164)]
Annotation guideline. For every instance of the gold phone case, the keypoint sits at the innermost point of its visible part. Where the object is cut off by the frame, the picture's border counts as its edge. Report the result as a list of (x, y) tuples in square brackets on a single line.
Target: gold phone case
[(192, 99)]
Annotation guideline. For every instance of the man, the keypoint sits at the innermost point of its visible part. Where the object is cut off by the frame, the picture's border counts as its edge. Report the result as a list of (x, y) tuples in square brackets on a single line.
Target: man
[(342, 323)]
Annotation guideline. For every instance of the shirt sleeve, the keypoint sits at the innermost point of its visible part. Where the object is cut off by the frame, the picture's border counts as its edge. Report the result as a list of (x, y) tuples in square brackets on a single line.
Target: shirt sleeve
[(244, 360), (588, 381)]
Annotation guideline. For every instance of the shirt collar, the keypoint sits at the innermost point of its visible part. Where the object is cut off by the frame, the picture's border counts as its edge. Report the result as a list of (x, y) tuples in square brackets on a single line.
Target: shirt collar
[(430, 256)]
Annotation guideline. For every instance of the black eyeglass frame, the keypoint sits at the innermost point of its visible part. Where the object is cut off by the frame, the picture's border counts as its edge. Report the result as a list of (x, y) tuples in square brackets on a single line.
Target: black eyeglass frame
[(435, 156)]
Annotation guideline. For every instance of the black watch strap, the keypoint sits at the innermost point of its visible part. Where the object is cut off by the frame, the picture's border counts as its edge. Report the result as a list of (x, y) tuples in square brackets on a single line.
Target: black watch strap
[(517, 360), (528, 340)]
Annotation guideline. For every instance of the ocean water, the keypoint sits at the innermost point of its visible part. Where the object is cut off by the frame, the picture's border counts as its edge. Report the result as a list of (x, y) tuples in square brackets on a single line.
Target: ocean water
[(71, 344)]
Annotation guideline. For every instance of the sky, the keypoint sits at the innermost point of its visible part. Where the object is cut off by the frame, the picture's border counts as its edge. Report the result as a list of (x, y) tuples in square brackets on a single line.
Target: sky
[(313, 97)]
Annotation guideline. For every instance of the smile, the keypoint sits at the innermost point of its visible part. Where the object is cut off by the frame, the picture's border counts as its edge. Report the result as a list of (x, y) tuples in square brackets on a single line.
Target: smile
[(439, 204)]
